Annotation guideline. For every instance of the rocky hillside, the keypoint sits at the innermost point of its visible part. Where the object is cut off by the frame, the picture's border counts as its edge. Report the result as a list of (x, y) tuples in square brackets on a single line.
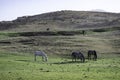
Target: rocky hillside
[(62, 20)]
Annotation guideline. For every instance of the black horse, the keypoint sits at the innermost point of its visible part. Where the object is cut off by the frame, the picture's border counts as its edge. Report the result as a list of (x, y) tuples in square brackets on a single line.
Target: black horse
[(78, 55), (90, 53)]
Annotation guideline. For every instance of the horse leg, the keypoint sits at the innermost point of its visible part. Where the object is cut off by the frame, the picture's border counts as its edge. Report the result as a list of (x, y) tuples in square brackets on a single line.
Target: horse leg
[(46, 58), (75, 59), (95, 58), (90, 57), (35, 58), (42, 58), (72, 59), (81, 59)]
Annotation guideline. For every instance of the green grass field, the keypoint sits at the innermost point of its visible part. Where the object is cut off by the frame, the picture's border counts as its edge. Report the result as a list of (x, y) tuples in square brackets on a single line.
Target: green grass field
[(18, 67), (17, 60)]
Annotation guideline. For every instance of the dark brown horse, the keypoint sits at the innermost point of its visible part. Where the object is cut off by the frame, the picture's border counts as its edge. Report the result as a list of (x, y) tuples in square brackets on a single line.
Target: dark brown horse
[(92, 53), (78, 55)]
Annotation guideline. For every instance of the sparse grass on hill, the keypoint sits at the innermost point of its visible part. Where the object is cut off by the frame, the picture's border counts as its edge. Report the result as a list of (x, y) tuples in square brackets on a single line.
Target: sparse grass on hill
[(62, 42)]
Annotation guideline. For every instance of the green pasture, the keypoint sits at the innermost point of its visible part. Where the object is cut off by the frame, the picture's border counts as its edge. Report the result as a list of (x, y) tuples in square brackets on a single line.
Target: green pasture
[(19, 67), (17, 60)]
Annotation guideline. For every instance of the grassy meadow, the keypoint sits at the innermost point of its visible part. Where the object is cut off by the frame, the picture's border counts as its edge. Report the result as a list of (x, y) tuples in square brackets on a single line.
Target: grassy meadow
[(15, 67), (17, 60)]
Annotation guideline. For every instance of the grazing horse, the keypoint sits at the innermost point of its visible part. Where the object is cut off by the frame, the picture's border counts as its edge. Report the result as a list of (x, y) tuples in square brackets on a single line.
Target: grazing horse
[(78, 55), (90, 53), (41, 53)]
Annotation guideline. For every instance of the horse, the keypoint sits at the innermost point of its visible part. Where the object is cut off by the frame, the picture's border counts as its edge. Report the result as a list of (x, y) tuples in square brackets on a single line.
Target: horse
[(40, 53), (90, 53), (78, 55)]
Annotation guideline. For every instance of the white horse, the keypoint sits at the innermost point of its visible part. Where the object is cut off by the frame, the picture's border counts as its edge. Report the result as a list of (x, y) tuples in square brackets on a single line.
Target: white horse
[(41, 53)]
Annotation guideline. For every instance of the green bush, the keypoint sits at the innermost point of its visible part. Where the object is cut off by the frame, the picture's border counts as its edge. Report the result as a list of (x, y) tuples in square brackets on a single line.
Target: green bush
[(100, 30)]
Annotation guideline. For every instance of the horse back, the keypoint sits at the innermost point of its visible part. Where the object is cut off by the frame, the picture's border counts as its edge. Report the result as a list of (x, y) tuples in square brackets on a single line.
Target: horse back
[(74, 54), (39, 53)]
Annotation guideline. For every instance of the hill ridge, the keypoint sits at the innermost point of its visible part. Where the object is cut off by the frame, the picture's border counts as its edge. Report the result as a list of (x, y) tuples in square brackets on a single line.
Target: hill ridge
[(63, 20)]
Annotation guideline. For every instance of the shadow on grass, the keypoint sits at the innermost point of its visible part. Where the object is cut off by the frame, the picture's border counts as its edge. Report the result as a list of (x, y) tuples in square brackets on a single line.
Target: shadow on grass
[(68, 62), (24, 60)]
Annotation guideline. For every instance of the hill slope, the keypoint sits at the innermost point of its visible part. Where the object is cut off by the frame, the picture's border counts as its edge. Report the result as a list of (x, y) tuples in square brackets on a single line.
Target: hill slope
[(60, 33), (62, 20)]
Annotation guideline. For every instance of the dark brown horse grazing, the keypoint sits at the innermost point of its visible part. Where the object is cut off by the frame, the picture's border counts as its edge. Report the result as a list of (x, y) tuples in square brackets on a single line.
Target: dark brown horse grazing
[(78, 55), (92, 53)]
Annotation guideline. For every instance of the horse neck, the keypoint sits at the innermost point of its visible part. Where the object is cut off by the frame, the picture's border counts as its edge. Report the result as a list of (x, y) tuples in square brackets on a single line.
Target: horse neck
[(46, 57)]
